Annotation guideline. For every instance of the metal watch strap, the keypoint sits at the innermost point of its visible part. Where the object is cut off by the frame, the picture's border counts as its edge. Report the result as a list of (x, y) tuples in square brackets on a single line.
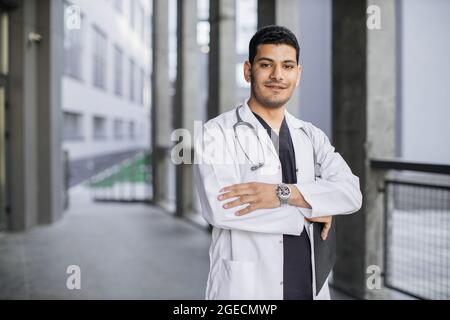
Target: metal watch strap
[(283, 200)]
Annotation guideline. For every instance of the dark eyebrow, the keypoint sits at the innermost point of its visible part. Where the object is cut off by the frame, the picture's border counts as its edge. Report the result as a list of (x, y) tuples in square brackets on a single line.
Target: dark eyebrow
[(271, 60)]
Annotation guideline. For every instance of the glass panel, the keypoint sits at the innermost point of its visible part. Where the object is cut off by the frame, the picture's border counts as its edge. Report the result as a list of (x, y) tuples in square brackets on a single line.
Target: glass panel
[(4, 32), (2, 160), (3, 43)]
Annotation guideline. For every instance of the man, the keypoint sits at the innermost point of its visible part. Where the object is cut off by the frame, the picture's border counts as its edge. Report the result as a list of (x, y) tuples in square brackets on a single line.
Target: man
[(261, 195)]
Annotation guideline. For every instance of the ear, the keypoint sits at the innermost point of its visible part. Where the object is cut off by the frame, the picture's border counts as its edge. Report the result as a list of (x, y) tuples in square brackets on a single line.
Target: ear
[(247, 71), (299, 75)]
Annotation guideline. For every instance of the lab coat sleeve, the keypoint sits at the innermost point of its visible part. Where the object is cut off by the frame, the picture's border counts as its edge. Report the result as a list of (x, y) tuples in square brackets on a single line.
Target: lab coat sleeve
[(337, 190), (215, 167)]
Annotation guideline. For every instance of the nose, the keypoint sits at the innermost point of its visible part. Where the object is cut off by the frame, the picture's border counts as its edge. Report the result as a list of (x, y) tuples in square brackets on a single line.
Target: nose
[(277, 73)]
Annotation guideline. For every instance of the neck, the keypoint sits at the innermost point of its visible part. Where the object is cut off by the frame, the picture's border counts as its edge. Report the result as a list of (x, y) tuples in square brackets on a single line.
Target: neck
[(273, 117)]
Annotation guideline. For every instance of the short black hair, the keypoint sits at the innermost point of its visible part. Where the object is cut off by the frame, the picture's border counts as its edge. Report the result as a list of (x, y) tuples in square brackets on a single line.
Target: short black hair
[(272, 34)]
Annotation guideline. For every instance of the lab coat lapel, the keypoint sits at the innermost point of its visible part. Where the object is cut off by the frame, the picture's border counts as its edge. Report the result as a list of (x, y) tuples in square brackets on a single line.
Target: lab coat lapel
[(302, 148)]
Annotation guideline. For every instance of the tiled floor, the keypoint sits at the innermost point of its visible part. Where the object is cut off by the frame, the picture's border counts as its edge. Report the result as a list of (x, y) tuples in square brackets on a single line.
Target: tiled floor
[(123, 251)]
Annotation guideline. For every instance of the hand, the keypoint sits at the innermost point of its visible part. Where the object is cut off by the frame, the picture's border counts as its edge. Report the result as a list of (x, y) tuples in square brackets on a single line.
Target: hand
[(327, 225), (257, 195)]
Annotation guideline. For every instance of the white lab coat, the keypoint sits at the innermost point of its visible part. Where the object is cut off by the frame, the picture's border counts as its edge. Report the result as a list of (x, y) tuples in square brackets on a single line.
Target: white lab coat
[(246, 252)]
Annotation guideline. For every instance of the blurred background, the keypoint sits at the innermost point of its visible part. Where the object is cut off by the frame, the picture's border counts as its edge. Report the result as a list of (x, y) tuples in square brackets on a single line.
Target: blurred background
[(91, 92)]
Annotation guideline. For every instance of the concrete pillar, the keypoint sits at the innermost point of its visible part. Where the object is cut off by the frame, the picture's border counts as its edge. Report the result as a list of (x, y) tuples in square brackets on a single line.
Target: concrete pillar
[(4, 70), (285, 13), (222, 57), (364, 90), (36, 173), (49, 126), (22, 112), (161, 104), (186, 98)]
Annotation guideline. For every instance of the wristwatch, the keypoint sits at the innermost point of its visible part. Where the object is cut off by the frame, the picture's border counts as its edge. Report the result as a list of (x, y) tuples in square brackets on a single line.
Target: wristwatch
[(283, 193)]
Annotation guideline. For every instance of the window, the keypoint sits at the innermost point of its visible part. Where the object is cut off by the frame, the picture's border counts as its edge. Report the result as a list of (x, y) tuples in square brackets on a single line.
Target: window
[(99, 128), (99, 57), (118, 129), (72, 126), (147, 35), (141, 86), (118, 71), (141, 25), (118, 5), (132, 88), (131, 130), (73, 49), (132, 15)]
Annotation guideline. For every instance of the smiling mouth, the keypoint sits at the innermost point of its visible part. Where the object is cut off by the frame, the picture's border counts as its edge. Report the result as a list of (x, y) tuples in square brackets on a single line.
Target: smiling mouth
[(275, 87)]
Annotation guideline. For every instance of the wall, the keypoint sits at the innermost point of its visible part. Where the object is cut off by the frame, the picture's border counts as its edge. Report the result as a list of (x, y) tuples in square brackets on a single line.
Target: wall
[(315, 58)]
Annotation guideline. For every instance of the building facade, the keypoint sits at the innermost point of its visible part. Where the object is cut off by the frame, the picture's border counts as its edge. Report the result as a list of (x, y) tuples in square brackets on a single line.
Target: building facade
[(106, 80)]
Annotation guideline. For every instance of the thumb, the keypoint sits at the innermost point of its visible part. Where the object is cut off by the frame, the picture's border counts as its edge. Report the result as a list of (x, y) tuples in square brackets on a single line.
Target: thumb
[(326, 228)]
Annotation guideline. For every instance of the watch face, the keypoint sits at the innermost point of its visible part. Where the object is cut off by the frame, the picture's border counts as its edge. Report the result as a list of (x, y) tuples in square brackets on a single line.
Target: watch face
[(284, 191)]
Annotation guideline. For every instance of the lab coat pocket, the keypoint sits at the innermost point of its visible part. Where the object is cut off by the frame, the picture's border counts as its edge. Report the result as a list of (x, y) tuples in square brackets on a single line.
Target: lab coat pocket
[(236, 280)]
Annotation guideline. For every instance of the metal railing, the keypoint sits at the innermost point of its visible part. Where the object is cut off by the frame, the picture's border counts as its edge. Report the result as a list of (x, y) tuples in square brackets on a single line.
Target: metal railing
[(128, 181), (417, 229)]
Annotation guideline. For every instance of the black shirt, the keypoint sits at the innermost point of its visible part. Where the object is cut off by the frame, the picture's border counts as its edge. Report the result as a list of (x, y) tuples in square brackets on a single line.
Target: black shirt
[(297, 270)]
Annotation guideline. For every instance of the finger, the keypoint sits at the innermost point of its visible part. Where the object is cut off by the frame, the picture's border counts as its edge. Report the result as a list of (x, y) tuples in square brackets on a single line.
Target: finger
[(228, 195), (236, 193), (325, 230), (325, 219), (240, 201), (250, 208), (234, 187), (315, 220)]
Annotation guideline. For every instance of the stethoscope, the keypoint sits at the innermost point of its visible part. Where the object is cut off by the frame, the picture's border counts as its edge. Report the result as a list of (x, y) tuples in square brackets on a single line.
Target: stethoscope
[(256, 166), (240, 122)]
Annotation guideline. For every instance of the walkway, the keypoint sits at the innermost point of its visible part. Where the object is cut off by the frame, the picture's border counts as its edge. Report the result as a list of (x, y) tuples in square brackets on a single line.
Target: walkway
[(124, 252)]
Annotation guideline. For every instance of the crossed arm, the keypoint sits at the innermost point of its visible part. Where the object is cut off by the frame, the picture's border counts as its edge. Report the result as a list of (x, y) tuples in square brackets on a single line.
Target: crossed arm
[(335, 192), (263, 196)]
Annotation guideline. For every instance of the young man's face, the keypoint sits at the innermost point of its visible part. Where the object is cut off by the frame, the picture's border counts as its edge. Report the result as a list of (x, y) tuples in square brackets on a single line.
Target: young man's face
[(273, 75)]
